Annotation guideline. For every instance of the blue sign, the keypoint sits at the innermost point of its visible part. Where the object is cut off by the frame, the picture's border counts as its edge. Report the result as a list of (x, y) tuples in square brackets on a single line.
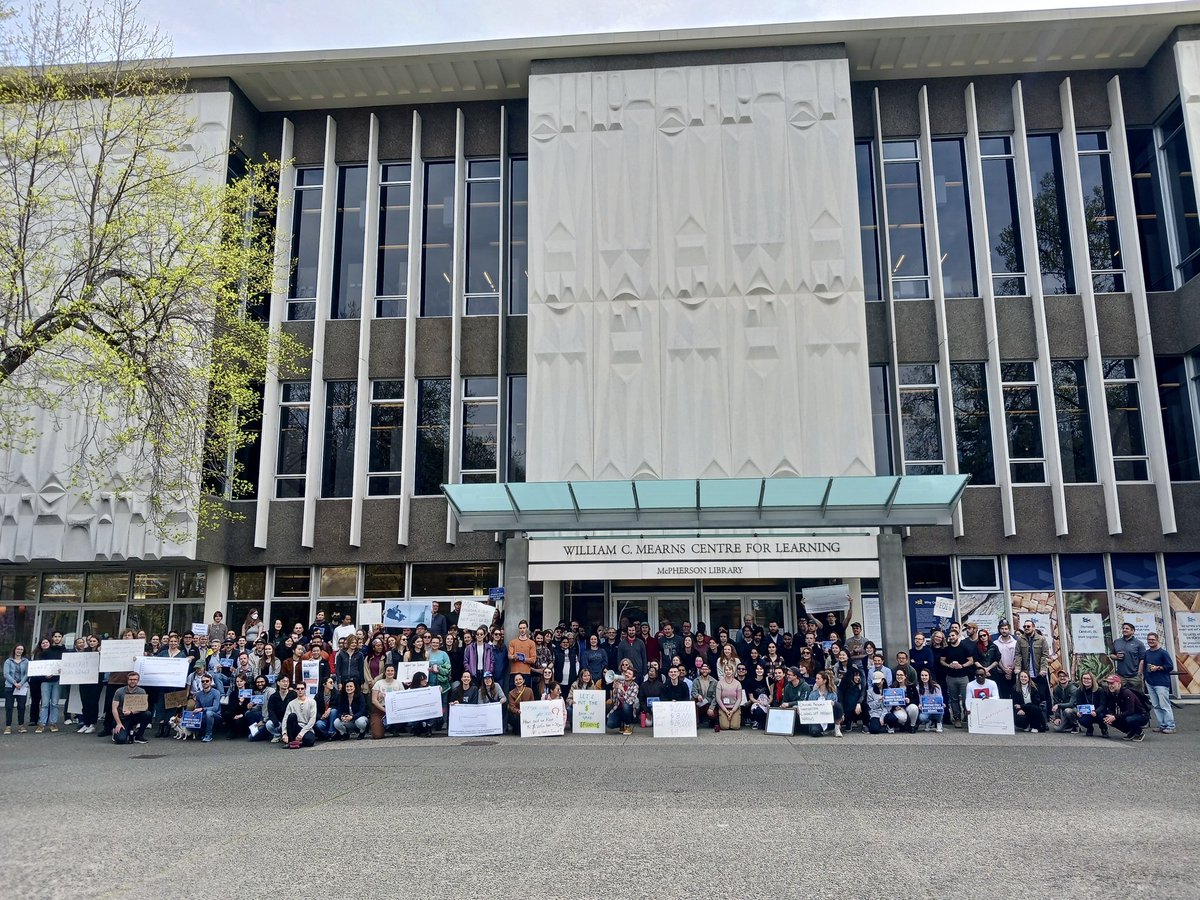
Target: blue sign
[(192, 719), (256, 699), (244, 693), (496, 593), (894, 697), (932, 704), (1086, 709)]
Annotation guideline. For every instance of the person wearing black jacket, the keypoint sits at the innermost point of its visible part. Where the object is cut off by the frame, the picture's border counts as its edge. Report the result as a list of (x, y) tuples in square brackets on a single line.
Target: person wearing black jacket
[(852, 695), (675, 689), (237, 708), (276, 705), (1090, 694), (1027, 705), (1125, 710), (351, 713), (51, 688), (348, 664), (566, 662)]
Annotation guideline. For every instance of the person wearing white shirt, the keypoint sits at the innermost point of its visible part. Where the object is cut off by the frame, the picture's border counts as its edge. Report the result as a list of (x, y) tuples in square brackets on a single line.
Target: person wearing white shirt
[(982, 688), (344, 630)]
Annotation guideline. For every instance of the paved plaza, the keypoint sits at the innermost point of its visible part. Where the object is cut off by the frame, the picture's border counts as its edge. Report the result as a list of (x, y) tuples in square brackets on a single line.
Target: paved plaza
[(730, 815)]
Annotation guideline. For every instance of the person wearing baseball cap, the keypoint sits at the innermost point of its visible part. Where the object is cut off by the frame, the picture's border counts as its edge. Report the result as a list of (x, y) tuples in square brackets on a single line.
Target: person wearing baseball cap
[(1126, 712)]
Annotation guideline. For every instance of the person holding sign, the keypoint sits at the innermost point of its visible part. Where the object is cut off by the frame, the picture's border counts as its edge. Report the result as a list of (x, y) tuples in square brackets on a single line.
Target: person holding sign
[(130, 712), (51, 688), (1027, 704), (464, 691), (379, 691), (16, 688), (1091, 705), (930, 700), (823, 690), (425, 727), (518, 695), (624, 700), (89, 693), (904, 707)]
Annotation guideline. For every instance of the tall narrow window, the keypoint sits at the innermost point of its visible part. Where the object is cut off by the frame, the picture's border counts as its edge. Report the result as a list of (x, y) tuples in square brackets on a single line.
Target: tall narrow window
[(1125, 420), (480, 411), (348, 243), (385, 462), (518, 237), (1178, 425), (868, 223), (483, 237), (1023, 420), (1050, 215), (518, 420), (246, 458), (1181, 189), (1100, 213), (395, 212), (433, 435), (337, 479), (881, 421), (306, 243), (293, 440), (954, 218), (1148, 205), (437, 246), (1003, 220), (920, 421), (1074, 421), (972, 422), (905, 220)]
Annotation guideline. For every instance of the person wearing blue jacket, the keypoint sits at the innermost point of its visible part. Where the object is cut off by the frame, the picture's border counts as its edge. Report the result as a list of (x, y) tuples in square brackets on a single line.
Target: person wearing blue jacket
[(1159, 666), (594, 659), (16, 678), (208, 701)]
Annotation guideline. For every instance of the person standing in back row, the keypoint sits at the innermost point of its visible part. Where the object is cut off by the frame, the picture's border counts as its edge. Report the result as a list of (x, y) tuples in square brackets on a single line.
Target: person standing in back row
[(522, 654), (633, 649), (1033, 656), (1159, 664), (958, 661), (1129, 655)]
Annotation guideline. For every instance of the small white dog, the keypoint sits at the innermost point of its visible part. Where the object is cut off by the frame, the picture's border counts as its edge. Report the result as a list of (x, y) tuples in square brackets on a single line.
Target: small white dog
[(181, 733)]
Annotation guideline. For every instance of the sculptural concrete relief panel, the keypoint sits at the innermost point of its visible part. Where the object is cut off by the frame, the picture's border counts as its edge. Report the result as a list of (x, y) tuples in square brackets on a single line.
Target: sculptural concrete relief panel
[(696, 301)]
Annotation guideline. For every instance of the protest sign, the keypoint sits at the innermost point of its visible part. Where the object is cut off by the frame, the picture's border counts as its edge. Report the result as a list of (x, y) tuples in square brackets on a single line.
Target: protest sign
[(826, 598), (118, 656), (1143, 624), (894, 697), (1086, 709), (310, 670), (815, 712), (257, 699), (476, 720), (943, 607), (192, 719), (872, 627), (543, 718), (244, 693), (369, 614), (587, 712), (1087, 633), (933, 704), (781, 721), (990, 716), (44, 668), (162, 671), (407, 613), (199, 629), (80, 668), (475, 614), (135, 703), (1187, 626), (675, 719), (416, 705), (406, 670)]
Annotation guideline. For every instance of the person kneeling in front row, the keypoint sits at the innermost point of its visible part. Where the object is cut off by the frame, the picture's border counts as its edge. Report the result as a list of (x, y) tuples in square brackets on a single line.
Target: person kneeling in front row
[(300, 719), (1027, 704), (1125, 710), (130, 727)]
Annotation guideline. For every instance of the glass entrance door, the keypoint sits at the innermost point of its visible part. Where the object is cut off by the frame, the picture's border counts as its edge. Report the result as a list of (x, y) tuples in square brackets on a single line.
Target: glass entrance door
[(653, 608), (723, 611), (80, 621), (729, 611)]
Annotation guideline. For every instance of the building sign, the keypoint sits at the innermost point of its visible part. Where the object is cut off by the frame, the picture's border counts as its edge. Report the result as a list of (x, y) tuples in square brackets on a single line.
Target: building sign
[(829, 555)]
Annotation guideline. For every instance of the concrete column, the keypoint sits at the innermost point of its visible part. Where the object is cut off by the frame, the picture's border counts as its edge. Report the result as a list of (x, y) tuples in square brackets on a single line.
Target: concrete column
[(893, 595), (516, 582), (551, 603), (216, 590)]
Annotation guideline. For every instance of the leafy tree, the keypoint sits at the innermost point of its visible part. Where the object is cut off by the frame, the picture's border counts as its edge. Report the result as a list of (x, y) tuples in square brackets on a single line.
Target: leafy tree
[(128, 260)]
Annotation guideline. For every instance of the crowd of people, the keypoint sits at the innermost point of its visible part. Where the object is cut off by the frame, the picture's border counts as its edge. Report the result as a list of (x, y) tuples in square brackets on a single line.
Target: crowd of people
[(249, 682)]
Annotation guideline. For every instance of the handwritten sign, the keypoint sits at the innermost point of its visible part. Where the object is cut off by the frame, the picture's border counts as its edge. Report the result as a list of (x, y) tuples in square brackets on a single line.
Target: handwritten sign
[(176, 699), (587, 712), (200, 629), (80, 668), (781, 721), (416, 705), (543, 718), (676, 719), (943, 607), (990, 716), (44, 668), (406, 670), (118, 656), (369, 614), (162, 671), (475, 720), (135, 703), (475, 615), (815, 712)]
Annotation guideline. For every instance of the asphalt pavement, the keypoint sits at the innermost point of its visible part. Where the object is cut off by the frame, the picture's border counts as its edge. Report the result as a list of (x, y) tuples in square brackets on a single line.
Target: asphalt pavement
[(736, 814)]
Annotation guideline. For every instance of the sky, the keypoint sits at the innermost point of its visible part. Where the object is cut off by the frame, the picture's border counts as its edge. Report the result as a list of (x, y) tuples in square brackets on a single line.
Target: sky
[(203, 27)]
